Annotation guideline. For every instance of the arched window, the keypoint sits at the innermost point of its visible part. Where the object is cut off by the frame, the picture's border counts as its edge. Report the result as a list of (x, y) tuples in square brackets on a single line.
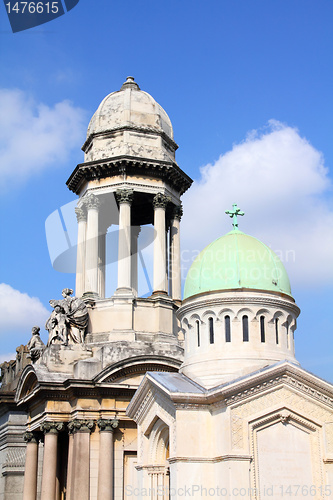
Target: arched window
[(277, 330), (211, 330), (245, 322), (198, 332), (287, 332), (227, 329), (262, 328)]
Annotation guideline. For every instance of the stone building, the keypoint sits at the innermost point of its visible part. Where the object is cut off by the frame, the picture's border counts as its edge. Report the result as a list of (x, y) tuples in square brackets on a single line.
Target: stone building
[(241, 418), (72, 399), (146, 397)]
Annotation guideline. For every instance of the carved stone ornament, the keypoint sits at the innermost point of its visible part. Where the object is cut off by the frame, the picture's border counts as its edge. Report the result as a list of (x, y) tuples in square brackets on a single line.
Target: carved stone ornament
[(177, 212), (160, 201), (92, 202), (284, 418), (107, 424), (81, 214), (68, 321), (30, 437), (81, 425), (52, 427), (124, 195), (35, 345)]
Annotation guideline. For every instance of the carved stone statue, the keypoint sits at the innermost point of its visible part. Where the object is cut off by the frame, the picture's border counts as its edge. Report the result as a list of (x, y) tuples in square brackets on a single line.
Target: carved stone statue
[(35, 345), (68, 321)]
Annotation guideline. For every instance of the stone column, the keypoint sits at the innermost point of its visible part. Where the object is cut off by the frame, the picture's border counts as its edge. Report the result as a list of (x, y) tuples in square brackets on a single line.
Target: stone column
[(91, 263), (31, 466), (175, 265), (101, 264), (49, 476), (124, 198), (80, 484), (134, 258), (70, 461), (167, 255), (106, 461), (160, 202), (81, 215)]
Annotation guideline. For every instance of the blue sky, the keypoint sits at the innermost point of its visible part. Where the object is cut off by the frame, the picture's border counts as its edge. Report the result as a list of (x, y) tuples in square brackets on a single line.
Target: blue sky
[(248, 87)]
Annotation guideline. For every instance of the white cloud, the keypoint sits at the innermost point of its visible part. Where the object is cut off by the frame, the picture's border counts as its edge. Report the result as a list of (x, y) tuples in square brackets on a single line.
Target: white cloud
[(7, 357), (19, 312), (279, 179), (34, 136)]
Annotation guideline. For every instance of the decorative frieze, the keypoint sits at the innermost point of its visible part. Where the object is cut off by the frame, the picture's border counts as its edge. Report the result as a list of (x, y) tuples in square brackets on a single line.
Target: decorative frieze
[(52, 427), (160, 201), (124, 196), (107, 425)]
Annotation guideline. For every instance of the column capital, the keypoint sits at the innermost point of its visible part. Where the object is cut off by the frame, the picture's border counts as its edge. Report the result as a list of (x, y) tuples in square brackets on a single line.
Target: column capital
[(92, 202), (80, 425), (107, 425), (124, 196), (81, 213), (31, 437), (52, 427), (177, 212), (160, 200)]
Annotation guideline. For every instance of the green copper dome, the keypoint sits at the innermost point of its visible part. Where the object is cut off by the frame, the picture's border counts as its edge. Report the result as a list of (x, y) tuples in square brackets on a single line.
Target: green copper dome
[(233, 261)]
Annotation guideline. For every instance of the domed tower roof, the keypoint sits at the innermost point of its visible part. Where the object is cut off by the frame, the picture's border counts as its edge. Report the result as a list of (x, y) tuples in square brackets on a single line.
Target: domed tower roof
[(130, 133), (236, 261), (130, 107), (238, 314)]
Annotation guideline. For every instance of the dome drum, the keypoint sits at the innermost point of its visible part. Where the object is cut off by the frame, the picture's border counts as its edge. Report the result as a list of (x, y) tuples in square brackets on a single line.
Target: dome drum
[(230, 334)]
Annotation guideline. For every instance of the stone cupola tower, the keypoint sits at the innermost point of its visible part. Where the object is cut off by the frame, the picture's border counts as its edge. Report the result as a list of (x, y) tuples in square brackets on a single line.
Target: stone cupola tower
[(129, 178)]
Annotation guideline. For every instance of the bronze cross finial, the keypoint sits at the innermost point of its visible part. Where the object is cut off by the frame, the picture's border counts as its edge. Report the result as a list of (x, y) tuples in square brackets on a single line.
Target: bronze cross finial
[(234, 213)]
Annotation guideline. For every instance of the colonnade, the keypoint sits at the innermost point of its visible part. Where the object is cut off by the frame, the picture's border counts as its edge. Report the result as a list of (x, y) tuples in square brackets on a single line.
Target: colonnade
[(90, 271), (76, 481)]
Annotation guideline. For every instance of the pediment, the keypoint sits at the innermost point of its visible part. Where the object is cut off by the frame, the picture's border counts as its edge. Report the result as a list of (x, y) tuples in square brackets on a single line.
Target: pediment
[(28, 383)]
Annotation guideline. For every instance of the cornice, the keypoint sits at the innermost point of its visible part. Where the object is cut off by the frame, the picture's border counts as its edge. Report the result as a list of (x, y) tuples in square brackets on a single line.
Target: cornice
[(120, 165), (214, 460), (260, 382), (206, 299)]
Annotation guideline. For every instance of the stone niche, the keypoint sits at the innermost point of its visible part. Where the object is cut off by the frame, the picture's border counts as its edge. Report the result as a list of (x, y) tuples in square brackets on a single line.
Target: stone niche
[(286, 458)]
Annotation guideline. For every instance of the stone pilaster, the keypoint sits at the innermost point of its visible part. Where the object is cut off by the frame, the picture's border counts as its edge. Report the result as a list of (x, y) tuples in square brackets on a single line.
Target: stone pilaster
[(91, 257), (31, 466), (106, 458), (160, 202), (51, 430), (124, 198)]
